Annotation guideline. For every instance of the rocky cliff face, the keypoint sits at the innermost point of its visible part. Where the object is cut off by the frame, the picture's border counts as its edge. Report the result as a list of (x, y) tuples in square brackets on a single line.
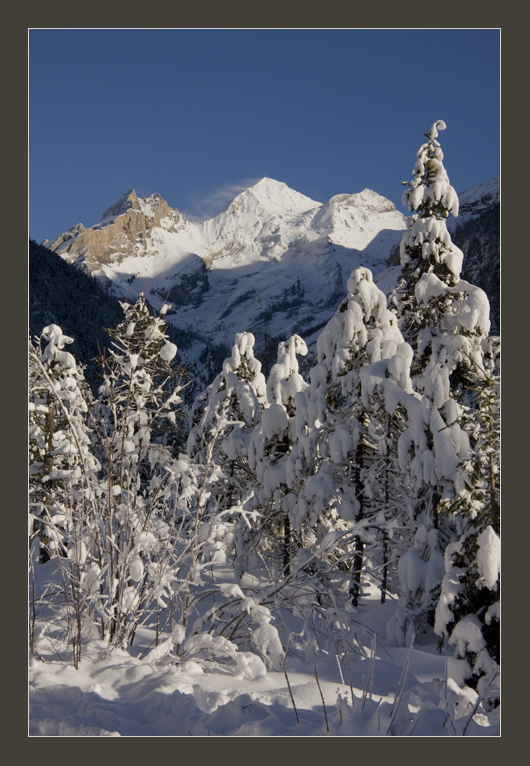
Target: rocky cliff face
[(122, 233)]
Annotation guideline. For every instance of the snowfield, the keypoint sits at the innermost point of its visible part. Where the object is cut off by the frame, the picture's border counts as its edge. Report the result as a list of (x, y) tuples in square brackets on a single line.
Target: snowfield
[(125, 696)]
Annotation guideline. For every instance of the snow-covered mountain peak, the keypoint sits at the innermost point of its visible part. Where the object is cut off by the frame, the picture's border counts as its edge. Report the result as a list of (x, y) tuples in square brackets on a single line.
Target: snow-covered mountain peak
[(365, 213), (126, 230), (372, 200), (151, 205), (272, 254), (273, 198), (367, 201)]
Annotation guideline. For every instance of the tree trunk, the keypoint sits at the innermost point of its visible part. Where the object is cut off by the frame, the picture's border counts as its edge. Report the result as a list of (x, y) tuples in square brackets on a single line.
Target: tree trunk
[(385, 569), (355, 586), (435, 499), (44, 555), (287, 546)]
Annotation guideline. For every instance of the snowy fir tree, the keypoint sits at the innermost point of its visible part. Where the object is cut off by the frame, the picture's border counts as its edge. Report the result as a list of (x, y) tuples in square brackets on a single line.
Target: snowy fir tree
[(338, 443), (61, 461), (140, 393), (222, 418), (468, 611), (270, 530), (388, 397), (445, 320)]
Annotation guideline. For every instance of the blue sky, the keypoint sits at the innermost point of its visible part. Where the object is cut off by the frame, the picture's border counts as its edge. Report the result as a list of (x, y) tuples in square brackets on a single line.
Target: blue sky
[(196, 115)]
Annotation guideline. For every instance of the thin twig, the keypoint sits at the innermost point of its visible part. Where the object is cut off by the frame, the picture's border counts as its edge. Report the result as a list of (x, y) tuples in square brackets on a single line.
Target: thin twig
[(475, 708), (370, 676), (348, 666), (323, 703), (401, 685), (338, 663), (287, 679), (290, 691)]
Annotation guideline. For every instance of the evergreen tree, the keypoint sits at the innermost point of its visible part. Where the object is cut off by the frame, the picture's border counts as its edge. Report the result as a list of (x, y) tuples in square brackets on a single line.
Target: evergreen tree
[(468, 611), (136, 413), (445, 320), (239, 391), (388, 397), (270, 444), (222, 419), (61, 461), (339, 444)]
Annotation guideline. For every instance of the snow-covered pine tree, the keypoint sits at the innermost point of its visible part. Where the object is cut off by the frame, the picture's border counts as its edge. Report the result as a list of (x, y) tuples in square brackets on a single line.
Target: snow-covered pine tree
[(270, 444), (428, 256), (468, 612), (388, 398), (337, 447), (445, 320), (61, 462), (221, 420), (140, 393)]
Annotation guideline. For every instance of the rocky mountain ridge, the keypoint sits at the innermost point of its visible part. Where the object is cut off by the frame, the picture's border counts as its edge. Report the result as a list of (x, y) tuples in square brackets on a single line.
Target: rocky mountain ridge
[(123, 232), (273, 258), (273, 262)]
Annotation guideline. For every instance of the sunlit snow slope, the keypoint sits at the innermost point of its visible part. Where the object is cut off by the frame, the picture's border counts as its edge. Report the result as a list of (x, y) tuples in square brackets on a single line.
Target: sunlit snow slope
[(272, 258), (478, 199)]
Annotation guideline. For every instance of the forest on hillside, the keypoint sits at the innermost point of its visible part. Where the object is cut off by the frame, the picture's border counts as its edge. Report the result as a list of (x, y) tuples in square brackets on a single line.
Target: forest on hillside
[(258, 522)]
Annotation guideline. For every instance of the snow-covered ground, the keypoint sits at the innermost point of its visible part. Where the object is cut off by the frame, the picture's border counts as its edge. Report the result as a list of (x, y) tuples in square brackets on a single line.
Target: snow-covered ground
[(396, 691)]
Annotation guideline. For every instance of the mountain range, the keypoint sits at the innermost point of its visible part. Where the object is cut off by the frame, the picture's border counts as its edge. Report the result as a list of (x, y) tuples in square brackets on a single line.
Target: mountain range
[(273, 262), (273, 258)]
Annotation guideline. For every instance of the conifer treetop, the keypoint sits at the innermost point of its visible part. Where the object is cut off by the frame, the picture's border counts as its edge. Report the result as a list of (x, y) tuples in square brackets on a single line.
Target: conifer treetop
[(284, 380), (56, 342), (244, 364), (429, 192), (430, 293)]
